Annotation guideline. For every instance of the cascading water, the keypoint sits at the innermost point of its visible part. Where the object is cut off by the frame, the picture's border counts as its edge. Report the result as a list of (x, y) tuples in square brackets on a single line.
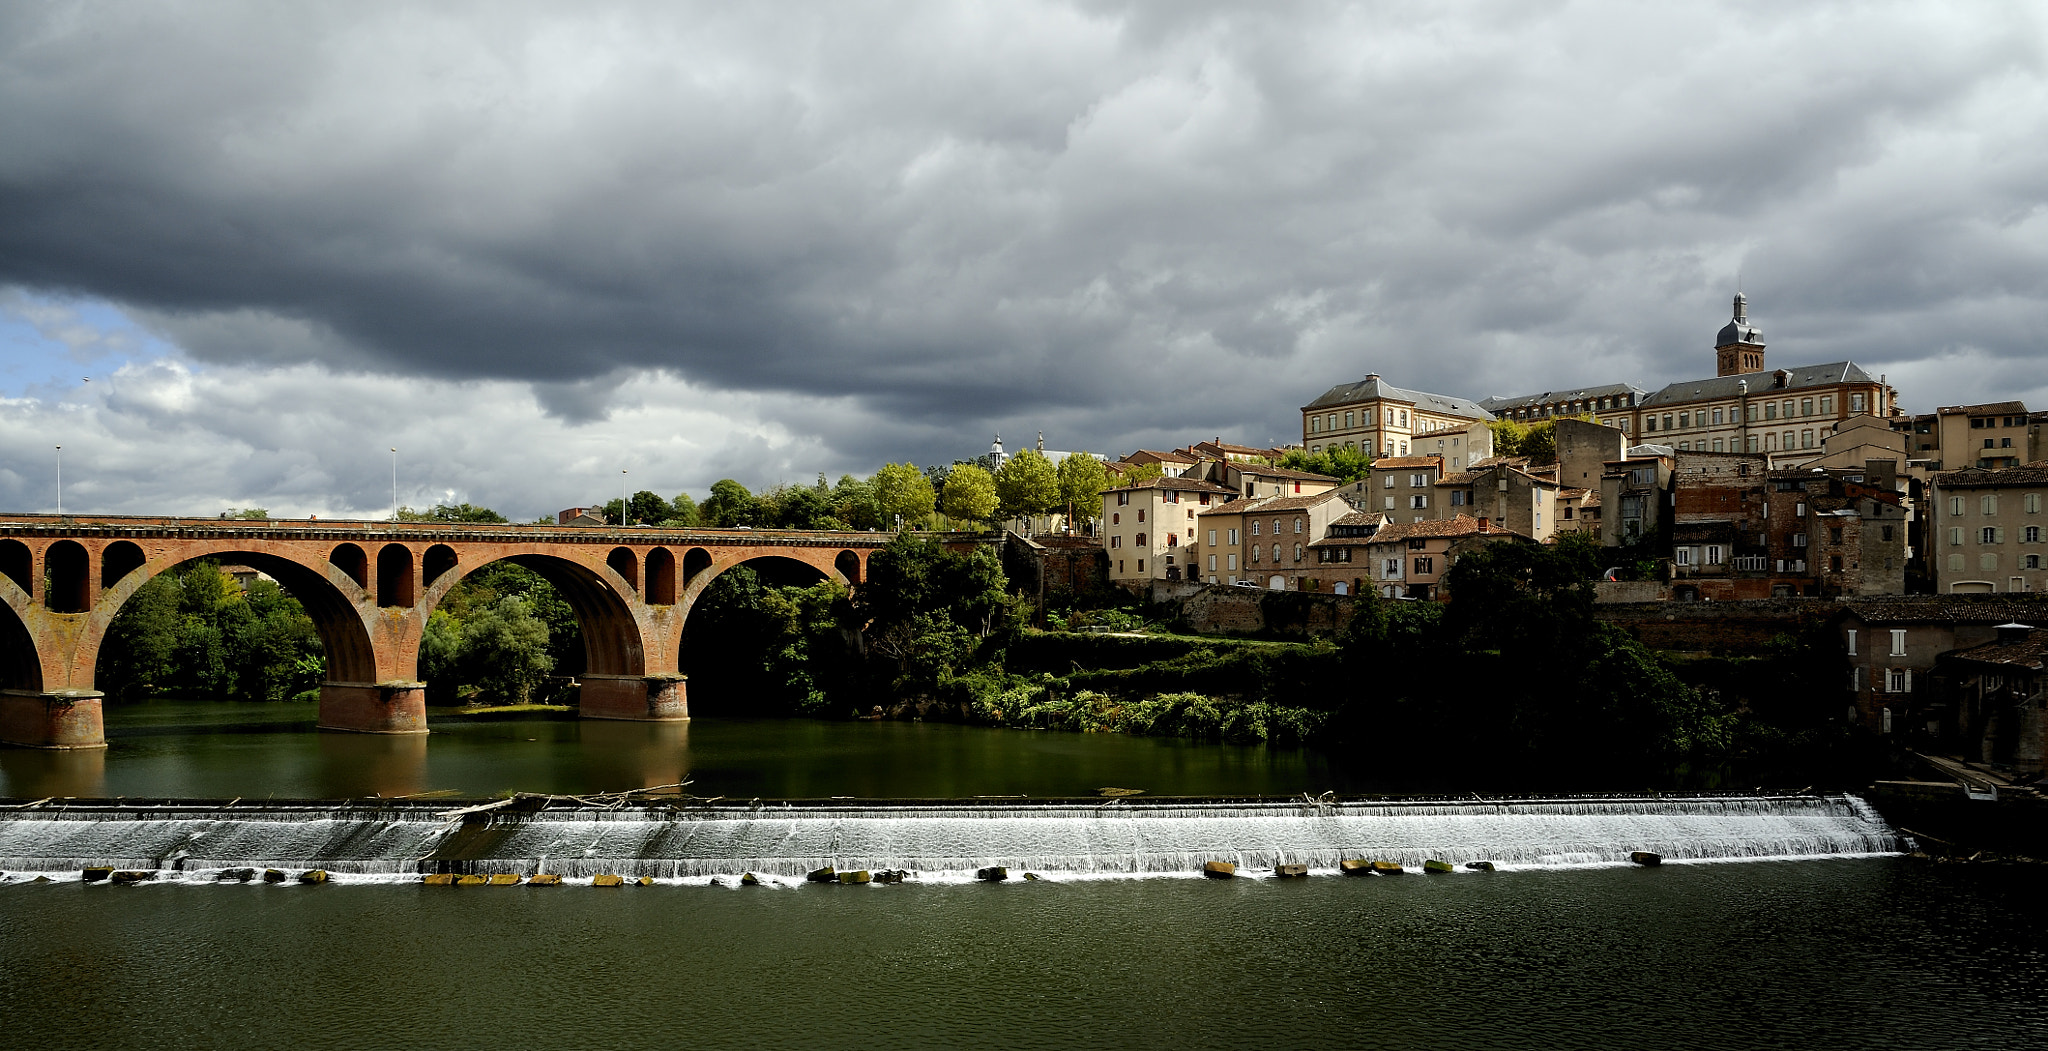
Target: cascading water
[(1119, 838)]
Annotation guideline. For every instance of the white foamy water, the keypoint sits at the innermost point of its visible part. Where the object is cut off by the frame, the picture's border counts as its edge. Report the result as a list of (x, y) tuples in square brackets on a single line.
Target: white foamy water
[(938, 843)]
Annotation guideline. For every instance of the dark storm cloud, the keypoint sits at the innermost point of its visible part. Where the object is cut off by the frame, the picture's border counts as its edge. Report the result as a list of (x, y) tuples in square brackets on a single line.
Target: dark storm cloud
[(1120, 221)]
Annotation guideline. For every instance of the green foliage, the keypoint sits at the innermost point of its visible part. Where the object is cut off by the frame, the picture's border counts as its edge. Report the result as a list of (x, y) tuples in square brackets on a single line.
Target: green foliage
[(759, 649), (853, 500), (1537, 441), (1082, 480), (459, 664), (463, 512), (730, 504), (247, 513), (1345, 465), (1138, 474), (1027, 484), (970, 493), (193, 632), (682, 513), (903, 494)]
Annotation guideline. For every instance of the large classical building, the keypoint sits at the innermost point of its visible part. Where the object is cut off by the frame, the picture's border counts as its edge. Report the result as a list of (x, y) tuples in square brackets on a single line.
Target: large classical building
[(1744, 407), (1987, 531), (1380, 419)]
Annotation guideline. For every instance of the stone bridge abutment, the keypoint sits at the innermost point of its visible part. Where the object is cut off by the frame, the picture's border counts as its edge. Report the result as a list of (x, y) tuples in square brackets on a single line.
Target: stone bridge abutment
[(369, 589)]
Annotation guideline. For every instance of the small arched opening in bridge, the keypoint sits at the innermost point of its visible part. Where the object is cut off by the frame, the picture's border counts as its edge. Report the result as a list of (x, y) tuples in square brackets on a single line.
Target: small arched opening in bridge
[(17, 563), (730, 642), (118, 560), (661, 577), (121, 651), (350, 560), (848, 564), (69, 571), (626, 565), (439, 559), (696, 562), (394, 576)]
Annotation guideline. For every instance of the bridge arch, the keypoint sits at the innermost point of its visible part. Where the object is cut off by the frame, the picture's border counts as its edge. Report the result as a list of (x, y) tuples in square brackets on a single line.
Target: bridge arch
[(660, 588), (68, 570), (351, 560), (394, 576)]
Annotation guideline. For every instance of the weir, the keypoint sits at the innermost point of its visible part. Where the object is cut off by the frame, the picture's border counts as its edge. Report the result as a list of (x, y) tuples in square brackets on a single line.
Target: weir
[(935, 841)]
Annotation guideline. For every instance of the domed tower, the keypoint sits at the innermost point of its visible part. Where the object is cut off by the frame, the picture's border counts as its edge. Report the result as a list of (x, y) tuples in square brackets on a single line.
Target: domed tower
[(1739, 348)]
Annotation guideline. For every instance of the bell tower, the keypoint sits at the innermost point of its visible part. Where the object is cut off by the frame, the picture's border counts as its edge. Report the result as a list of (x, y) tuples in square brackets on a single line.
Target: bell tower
[(1739, 349)]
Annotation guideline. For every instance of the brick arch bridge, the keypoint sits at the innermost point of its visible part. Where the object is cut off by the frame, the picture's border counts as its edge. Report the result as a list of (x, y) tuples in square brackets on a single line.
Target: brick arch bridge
[(369, 588)]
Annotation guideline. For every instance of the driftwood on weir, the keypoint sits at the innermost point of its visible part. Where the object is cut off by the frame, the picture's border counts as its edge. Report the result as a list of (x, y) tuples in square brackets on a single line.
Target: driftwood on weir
[(605, 800)]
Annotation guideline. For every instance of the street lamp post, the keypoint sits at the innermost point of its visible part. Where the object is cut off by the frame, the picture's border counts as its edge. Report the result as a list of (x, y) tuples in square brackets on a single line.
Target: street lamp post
[(394, 483), (60, 481), (625, 501)]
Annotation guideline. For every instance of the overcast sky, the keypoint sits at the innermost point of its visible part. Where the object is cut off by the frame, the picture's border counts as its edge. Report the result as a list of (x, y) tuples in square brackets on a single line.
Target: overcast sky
[(247, 248)]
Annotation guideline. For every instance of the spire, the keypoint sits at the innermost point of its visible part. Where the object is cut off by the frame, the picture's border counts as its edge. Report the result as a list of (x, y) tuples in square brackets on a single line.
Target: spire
[(1741, 308)]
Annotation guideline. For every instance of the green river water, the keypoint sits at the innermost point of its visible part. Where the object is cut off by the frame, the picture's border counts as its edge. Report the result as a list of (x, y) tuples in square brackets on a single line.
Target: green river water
[(1856, 952)]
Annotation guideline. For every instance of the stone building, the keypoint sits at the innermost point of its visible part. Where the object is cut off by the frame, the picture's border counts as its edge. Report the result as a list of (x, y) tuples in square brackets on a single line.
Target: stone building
[(1892, 646), (1342, 565), (1744, 407), (1997, 694), (1988, 437), (1985, 530), (1380, 419), (1409, 559), (1147, 526), (1266, 540)]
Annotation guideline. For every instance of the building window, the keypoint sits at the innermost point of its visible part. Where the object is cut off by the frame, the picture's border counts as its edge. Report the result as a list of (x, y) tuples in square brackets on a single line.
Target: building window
[(1852, 640), (1834, 563), (1459, 498), (1684, 420), (1955, 506), (1255, 527), (1141, 540), (1141, 565), (1827, 405), (1898, 680), (1987, 504), (1276, 554), (1989, 535), (1418, 501), (1231, 560), (1276, 527), (1855, 403), (1347, 421), (1898, 642), (1297, 552), (1116, 541), (1233, 541), (1212, 563), (1297, 527), (1714, 555), (1806, 439), (2032, 535), (1806, 406), (1799, 510), (1425, 565), (1770, 410), (1141, 514)]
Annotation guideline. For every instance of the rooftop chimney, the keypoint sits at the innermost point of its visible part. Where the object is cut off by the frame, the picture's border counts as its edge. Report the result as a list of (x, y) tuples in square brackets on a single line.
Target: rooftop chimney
[(1485, 525)]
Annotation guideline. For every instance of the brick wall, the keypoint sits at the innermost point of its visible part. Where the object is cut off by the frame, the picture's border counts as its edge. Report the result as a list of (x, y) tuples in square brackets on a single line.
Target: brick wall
[(1737, 629)]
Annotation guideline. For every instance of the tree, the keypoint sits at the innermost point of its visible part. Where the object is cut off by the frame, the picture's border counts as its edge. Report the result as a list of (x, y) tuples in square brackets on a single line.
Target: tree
[(682, 512), (970, 493), (1345, 465), (1026, 484), (730, 504), (902, 492), (853, 500), (249, 513), (462, 512), (1082, 480), (505, 650), (1139, 472)]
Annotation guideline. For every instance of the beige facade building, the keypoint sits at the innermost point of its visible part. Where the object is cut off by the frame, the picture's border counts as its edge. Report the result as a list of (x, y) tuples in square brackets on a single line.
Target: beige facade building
[(1265, 540), (1380, 419), (1987, 532), (1991, 436), (1147, 528), (1744, 407)]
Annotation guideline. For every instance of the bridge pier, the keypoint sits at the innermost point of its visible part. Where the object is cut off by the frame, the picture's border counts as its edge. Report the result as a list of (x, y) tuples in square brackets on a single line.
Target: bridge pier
[(54, 719), (640, 698), (397, 707)]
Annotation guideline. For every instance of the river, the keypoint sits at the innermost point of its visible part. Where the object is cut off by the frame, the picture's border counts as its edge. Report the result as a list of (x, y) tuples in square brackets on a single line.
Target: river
[(1839, 943)]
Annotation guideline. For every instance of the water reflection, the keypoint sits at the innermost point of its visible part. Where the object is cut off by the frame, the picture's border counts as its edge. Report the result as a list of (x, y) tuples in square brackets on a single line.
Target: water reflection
[(36, 773), (632, 755), (370, 764)]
